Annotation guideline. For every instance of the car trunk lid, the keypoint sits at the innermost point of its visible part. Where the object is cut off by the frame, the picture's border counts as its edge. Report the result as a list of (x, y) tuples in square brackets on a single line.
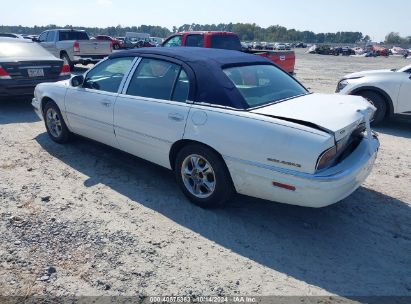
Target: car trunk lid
[(336, 114), (33, 69)]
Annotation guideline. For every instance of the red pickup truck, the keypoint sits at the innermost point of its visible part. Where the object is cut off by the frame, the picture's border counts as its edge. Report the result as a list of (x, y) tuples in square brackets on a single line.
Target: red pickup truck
[(231, 41)]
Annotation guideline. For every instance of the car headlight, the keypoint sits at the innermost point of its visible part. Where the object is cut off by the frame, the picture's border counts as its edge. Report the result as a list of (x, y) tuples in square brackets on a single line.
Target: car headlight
[(341, 85)]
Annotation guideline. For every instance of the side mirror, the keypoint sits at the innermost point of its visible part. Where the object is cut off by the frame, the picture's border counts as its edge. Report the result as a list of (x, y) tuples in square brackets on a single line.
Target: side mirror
[(77, 80)]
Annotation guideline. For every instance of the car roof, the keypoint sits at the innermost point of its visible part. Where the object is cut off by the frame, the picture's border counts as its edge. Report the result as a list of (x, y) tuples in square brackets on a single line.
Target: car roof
[(212, 85), (196, 54), (9, 39)]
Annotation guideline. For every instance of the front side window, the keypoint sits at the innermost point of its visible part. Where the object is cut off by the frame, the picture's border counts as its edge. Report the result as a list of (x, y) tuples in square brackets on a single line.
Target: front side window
[(43, 37), (108, 75), (195, 40), (159, 79), (263, 84), (174, 41)]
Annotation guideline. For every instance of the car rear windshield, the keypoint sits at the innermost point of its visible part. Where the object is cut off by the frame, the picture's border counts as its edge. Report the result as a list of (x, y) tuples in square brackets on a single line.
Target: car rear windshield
[(22, 49), (227, 42), (72, 35), (263, 84)]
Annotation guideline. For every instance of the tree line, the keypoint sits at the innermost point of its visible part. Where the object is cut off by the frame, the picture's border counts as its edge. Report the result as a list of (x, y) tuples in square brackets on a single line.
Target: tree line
[(395, 39), (246, 31)]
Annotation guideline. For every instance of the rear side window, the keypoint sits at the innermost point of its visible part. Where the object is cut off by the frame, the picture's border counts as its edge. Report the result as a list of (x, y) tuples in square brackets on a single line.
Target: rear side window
[(72, 35), (263, 84), (159, 79), (227, 42), (195, 40), (108, 75)]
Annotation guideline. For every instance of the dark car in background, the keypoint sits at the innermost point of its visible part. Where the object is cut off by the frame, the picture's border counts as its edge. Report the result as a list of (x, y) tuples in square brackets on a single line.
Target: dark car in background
[(24, 64), (11, 35)]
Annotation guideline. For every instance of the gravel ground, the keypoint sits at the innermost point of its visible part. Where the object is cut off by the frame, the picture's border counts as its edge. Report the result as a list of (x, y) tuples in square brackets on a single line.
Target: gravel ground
[(85, 219)]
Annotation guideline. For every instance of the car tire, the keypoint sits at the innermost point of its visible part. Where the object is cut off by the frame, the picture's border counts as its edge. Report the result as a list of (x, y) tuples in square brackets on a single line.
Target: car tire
[(55, 124), (378, 102), (203, 176), (67, 60), (116, 46)]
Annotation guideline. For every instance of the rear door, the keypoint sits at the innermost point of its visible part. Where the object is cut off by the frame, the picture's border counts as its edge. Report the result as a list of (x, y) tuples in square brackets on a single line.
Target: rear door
[(90, 107), (151, 112)]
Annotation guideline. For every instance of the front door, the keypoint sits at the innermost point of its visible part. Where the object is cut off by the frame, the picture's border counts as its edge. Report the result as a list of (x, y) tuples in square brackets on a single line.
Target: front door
[(151, 113), (90, 107), (404, 97)]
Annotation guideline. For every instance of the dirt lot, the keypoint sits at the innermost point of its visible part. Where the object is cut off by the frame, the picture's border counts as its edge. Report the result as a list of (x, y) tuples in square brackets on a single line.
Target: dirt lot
[(85, 219)]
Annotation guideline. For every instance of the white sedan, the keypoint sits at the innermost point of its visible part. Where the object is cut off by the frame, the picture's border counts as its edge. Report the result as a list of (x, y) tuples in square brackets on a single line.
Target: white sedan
[(224, 121), (388, 90)]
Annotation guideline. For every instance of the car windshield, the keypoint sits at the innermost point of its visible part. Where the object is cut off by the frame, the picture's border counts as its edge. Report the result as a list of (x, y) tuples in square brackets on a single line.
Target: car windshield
[(263, 84), (22, 49)]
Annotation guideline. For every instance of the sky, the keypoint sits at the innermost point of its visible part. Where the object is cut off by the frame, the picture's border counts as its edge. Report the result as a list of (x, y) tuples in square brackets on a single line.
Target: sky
[(375, 18)]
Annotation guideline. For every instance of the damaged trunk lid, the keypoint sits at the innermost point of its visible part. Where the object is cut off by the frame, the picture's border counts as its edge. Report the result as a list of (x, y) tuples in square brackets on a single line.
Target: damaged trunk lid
[(336, 114)]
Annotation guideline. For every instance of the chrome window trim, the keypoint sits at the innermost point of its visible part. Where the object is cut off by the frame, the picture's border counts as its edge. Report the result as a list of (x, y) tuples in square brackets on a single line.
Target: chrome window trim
[(136, 63), (126, 79)]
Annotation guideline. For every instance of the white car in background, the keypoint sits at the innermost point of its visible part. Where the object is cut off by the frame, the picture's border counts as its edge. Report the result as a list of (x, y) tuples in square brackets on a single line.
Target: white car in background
[(388, 90), (223, 121)]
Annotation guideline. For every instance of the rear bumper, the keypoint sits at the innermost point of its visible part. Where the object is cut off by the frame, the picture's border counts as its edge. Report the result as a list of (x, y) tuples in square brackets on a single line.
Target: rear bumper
[(311, 190), (23, 87), (37, 108)]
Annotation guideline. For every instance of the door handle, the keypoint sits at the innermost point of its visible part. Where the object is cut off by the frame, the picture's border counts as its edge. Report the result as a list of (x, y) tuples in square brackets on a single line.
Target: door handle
[(175, 116), (106, 103)]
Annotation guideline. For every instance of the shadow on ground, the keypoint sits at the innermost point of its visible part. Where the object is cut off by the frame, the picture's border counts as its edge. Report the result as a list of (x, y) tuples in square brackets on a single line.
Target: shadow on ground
[(399, 126), (17, 110), (360, 246)]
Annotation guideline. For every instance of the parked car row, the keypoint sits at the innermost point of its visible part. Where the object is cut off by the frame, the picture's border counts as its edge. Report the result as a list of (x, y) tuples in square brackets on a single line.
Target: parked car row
[(367, 51), (268, 45)]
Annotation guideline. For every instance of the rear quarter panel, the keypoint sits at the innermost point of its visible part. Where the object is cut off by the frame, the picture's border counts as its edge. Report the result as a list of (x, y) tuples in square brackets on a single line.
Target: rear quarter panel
[(255, 138)]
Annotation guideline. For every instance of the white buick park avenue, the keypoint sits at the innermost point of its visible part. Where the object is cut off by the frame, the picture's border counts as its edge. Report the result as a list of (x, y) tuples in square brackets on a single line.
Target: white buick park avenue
[(225, 122)]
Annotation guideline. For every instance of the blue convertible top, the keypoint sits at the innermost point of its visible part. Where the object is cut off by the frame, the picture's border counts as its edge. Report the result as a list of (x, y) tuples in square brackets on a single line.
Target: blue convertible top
[(211, 84)]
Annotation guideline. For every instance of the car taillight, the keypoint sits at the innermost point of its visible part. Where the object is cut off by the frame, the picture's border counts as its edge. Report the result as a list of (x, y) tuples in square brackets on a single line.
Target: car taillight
[(326, 158), (4, 74), (76, 47), (65, 70)]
